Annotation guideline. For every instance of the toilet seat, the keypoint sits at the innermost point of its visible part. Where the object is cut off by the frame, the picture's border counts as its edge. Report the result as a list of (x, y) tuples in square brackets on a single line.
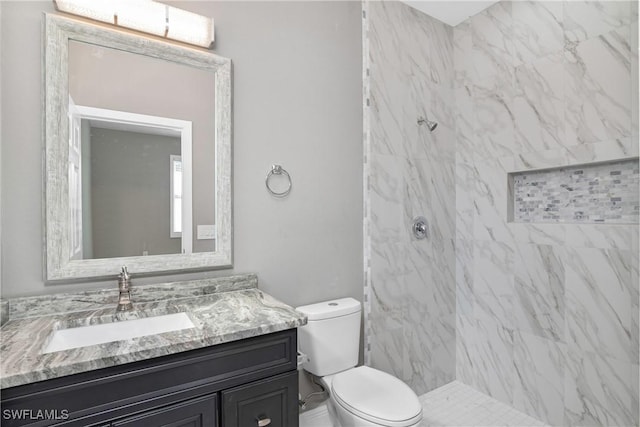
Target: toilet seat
[(376, 396)]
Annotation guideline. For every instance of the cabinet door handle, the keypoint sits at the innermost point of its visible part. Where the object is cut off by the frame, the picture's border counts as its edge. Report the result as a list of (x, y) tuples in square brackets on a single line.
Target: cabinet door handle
[(263, 422)]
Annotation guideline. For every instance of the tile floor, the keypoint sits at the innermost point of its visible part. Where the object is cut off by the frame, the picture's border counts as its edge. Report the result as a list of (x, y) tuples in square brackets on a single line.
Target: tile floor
[(454, 404), (316, 417)]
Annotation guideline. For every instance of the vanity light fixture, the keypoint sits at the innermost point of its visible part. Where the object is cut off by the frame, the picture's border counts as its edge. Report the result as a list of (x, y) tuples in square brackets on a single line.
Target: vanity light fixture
[(148, 16)]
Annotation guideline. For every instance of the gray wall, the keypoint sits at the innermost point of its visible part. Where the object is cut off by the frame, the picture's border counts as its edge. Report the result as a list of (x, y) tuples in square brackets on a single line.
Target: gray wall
[(130, 203), (297, 101)]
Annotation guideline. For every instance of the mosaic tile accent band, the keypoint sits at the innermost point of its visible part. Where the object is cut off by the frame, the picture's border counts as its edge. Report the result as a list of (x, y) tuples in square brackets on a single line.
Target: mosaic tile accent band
[(366, 170), (599, 193)]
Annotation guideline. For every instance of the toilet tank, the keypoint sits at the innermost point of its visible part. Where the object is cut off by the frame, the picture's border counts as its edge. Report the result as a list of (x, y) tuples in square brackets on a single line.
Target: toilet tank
[(331, 337)]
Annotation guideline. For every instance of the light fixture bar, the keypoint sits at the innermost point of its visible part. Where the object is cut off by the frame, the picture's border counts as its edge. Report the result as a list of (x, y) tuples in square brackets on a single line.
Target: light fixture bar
[(147, 16)]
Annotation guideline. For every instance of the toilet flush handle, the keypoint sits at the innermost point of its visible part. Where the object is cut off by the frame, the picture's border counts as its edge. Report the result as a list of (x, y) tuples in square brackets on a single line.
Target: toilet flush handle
[(263, 422)]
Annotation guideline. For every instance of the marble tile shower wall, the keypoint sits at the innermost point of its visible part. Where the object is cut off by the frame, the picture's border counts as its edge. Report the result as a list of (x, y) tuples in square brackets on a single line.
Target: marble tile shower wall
[(546, 314), (411, 172)]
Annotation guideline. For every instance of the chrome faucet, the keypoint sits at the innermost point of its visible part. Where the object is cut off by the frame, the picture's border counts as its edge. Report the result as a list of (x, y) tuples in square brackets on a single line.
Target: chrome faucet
[(124, 287)]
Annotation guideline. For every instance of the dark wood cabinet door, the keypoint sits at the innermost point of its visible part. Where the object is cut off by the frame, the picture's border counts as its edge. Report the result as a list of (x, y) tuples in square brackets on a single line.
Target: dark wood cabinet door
[(200, 412), (272, 402)]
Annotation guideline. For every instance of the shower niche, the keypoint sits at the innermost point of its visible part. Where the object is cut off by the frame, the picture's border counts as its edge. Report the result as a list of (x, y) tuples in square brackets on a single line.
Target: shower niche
[(594, 193)]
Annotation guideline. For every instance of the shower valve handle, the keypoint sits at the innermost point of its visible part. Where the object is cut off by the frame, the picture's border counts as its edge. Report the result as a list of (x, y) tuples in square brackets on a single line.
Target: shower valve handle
[(420, 228)]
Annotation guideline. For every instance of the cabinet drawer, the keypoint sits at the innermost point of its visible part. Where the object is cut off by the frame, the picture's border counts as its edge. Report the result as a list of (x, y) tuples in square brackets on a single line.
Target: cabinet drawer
[(268, 403), (200, 412)]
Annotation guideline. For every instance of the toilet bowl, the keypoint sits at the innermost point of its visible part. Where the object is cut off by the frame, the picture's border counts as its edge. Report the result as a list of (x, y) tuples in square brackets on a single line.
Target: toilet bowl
[(364, 396), (358, 396)]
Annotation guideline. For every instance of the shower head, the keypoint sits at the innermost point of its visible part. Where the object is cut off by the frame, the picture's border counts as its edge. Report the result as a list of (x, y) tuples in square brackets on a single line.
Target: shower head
[(431, 125)]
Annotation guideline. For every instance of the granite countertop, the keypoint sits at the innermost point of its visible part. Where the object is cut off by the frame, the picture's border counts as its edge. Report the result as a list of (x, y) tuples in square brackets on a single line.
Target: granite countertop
[(222, 310)]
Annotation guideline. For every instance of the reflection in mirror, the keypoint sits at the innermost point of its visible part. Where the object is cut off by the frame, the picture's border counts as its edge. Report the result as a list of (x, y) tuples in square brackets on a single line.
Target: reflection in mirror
[(141, 175), (126, 193), (127, 83), (129, 195)]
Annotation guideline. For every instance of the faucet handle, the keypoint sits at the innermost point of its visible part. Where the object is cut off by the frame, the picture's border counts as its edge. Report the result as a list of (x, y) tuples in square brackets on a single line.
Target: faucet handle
[(124, 274), (124, 286), (124, 280)]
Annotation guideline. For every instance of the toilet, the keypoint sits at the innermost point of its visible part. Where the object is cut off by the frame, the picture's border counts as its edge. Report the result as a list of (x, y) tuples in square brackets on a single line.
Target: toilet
[(358, 396)]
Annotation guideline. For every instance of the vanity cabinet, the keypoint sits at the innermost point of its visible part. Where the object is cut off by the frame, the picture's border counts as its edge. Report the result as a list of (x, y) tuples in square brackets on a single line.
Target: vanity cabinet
[(262, 403), (251, 382)]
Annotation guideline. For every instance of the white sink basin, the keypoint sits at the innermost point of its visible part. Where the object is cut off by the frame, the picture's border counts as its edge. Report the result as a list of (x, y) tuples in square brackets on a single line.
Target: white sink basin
[(83, 336)]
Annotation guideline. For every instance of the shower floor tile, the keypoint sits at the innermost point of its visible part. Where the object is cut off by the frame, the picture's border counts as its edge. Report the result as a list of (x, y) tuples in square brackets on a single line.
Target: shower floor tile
[(457, 404), (454, 404)]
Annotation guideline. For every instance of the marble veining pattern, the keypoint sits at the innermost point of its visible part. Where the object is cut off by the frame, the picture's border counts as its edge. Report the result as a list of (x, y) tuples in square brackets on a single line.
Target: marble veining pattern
[(107, 298), (539, 373), (218, 317), (546, 313), (599, 301), (588, 19), (598, 82), (491, 43), (538, 103), (411, 172), (537, 29), (539, 291), (599, 391)]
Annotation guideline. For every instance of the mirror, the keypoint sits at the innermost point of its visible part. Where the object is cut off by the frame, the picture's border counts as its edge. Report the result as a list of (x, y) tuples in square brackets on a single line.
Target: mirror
[(138, 153)]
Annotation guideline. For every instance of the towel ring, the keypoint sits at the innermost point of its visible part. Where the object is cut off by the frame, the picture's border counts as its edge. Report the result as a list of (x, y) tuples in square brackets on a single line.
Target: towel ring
[(278, 170)]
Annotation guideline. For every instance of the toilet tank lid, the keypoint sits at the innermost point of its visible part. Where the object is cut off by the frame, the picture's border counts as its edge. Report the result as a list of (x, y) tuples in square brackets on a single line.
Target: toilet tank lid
[(330, 309)]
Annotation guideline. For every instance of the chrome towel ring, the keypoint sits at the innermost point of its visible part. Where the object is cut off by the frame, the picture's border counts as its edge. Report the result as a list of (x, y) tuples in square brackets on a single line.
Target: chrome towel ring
[(278, 170)]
